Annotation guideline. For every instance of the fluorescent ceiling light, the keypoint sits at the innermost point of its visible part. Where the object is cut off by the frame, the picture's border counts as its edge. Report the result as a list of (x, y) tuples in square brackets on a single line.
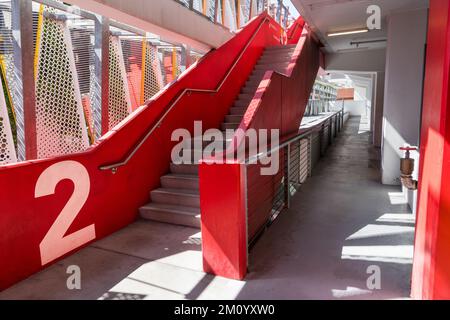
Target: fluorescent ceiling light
[(347, 32)]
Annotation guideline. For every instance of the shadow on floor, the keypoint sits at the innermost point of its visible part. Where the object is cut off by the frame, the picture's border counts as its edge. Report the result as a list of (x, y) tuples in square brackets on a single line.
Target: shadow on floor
[(341, 222)]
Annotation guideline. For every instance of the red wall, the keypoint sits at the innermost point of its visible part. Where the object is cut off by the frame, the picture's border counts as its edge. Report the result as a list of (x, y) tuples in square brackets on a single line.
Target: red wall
[(113, 199), (431, 266), (278, 103)]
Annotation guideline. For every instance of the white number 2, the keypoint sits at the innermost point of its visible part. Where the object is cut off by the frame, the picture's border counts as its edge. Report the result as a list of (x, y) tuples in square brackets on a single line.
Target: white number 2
[(55, 244)]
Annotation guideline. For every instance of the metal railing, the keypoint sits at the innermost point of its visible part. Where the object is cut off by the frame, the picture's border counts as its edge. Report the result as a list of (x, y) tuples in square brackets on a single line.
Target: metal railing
[(316, 106), (233, 14), (268, 196), (185, 91), (83, 74)]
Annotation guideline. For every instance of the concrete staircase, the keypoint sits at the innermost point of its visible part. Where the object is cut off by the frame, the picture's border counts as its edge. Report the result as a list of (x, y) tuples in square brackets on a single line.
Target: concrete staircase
[(177, 201)]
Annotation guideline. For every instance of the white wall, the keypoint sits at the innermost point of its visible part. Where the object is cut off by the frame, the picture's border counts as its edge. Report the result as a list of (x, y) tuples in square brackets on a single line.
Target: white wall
[(403, 88), (371, 61), (356, 107)]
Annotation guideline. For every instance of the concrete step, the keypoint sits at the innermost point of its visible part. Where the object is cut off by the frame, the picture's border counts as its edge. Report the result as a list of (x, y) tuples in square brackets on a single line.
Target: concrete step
[(185, 216), (241, 104), (180, 197), (276, 55), (202, 142), (271, 66), (230, 125), (249, 89), (258, 73), (180, 181), (275, 58), (252, 83), (237, 110), (280, 47), (184, 168), (233, 118), (245, 96)]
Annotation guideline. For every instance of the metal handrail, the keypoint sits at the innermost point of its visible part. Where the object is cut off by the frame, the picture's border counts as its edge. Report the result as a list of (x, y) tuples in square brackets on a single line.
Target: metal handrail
[(123, 162), (287, 142)]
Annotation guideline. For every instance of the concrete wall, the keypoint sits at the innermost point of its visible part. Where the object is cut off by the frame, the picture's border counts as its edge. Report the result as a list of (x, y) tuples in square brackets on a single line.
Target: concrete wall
[(403, 88), (356, 108)]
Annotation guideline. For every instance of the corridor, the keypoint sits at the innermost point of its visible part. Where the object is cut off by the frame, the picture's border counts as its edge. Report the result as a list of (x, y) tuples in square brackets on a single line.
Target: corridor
[(340, 222)]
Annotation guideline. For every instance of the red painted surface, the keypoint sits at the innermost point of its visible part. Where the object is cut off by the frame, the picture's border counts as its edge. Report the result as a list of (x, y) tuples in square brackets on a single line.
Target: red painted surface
[(431, 267), (224, 235), (295, 31), (278, 103), (114, 199)]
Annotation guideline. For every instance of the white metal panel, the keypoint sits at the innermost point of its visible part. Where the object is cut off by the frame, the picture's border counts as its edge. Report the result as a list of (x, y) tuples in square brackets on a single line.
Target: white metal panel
[(60, 123), (7, 149)]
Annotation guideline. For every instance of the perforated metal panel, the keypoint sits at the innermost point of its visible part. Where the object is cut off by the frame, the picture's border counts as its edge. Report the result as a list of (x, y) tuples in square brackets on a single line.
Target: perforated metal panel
[(230, 14), (8, 130), (83, 52), (177, 61), (210, 5), (7, 149), (60, 123), (184, 2), (167, 66), (119, 96), (219, 12), (132, 50), (198, 5), (153, 81)]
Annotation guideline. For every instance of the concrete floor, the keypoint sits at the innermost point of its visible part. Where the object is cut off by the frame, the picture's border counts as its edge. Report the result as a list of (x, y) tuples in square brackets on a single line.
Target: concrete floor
[(340, 222)]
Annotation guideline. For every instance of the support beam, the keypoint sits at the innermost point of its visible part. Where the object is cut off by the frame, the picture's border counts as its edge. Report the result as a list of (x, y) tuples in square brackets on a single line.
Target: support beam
[(101, 73), (24, 80)]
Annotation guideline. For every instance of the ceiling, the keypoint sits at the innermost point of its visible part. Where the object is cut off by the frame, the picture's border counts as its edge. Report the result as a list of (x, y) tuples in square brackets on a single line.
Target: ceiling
[(326, 16)]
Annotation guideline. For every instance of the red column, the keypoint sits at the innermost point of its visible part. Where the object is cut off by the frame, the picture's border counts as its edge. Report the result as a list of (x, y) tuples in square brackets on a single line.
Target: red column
[(431, 267), (224, 225)]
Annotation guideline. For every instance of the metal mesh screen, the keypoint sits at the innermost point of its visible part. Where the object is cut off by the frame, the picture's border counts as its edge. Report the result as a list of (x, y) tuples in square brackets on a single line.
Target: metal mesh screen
[(230, 14), (244, 12), (7, 149), (198, 5), (171, 63), (153, 81), (210, 9), (60, 124), (119, 97), (219, 12), (82, 36), (184, 2), (8, 129), (132, 50)]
